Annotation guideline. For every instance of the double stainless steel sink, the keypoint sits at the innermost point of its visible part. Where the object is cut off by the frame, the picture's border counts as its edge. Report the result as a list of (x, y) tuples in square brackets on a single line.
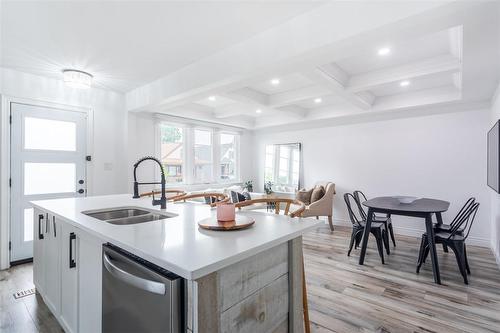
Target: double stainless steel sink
[(128, 215)]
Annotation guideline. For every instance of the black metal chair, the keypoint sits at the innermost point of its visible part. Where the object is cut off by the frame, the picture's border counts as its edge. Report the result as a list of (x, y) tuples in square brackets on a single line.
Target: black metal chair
[(360, 198), (358, 226), (448, 227), (454, 238)]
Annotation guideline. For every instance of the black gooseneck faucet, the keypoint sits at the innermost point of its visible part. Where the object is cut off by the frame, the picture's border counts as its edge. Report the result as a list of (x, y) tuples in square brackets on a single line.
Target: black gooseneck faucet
[(163, 200)]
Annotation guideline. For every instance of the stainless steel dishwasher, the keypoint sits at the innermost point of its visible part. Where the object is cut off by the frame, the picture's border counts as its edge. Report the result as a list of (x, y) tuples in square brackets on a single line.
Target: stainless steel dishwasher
[(138, 296)]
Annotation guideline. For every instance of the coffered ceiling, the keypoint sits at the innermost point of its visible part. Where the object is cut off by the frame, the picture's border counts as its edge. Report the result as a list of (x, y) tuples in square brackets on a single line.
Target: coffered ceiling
[(427, 60)]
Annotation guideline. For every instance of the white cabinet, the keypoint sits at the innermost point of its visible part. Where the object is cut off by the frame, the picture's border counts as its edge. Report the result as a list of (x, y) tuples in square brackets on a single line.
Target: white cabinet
[(69, 279), (39, 251), (67, 273), (51, 244), (89, 264)]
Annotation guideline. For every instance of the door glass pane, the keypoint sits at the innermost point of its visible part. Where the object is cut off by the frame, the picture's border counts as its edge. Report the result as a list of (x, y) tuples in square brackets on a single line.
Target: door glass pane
[(28, 224), (41, 178), (47, 134)]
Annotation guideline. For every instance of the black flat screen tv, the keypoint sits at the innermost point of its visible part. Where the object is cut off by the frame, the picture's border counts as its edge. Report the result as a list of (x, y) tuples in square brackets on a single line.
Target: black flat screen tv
[(494, 157)]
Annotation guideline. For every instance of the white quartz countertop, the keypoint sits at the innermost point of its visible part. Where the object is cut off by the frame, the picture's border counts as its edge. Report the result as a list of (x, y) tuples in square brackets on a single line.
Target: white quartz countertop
[(178, 244)]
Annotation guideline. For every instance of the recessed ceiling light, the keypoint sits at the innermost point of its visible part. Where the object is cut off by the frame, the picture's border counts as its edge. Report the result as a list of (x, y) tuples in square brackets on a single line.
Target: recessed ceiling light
[(384, 51), (258, 111), (77, 79), (404, 83), (212, 98), (275, 82), (318, 100)]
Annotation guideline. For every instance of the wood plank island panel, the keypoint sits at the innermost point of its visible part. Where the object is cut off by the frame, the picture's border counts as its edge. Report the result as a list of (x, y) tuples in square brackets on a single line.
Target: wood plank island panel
[(262, 293), (346, 297)]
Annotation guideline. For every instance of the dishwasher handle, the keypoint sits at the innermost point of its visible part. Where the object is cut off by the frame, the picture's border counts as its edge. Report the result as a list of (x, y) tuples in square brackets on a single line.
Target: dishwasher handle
[(138, 282)]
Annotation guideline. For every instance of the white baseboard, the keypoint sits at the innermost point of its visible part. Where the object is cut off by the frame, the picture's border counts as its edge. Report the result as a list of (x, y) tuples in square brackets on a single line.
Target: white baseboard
[(415, 232), (496, 253)]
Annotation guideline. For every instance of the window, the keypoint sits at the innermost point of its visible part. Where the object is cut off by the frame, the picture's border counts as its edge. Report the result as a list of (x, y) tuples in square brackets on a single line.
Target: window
[(228, 147), (202, 156), (172, 148), (198, 155), (282, 167)]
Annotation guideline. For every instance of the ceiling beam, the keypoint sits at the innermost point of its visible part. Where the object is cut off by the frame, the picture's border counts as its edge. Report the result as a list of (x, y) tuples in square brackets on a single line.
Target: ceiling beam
[(329, 77), (432, 96), (248, 96), (297, 95), (369, 80)]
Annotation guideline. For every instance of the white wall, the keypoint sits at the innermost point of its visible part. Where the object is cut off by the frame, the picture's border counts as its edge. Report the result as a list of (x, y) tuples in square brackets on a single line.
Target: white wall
[(438, 156), (109, 129), (142, 142), (495, 197)]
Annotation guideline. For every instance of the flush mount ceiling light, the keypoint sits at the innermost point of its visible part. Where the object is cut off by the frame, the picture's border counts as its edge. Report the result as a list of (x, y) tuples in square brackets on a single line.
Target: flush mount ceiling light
[(404, 83), (384, 51), (77, 79), (275, 81), (318, 100), (212, 98), (258, 111)]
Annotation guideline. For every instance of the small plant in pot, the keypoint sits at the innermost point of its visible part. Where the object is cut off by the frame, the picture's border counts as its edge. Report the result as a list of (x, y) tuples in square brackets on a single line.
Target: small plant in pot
[(248, 185), (268, 187)]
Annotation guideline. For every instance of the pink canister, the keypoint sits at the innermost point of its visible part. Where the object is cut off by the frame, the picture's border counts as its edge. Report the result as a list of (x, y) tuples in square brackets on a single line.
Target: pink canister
[(226, 212)]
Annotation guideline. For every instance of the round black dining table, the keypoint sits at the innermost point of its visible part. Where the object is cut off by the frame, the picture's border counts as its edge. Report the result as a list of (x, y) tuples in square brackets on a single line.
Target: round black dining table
[(422, 208)]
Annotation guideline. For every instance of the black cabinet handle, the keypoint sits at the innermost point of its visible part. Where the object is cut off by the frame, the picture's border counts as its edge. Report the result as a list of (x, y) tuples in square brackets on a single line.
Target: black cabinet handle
[(81, 191), (40, 233), (54, 225), (72, 262)]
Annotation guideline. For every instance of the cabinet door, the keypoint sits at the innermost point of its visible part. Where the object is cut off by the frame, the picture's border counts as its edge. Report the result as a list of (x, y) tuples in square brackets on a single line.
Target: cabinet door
[(89, 283), (52, 261), (69, 278), (38, 250)]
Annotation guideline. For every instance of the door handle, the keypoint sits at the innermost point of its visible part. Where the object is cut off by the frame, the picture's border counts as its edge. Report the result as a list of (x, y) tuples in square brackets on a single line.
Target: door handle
[(138, 282), (54, 225), (40, 233), (72, 262)]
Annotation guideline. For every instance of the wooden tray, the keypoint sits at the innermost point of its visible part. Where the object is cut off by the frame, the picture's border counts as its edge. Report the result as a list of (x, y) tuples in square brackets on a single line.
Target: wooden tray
[(241, 222)]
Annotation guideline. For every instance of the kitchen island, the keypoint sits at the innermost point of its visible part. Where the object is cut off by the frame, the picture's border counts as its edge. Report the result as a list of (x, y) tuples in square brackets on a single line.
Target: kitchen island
[(240, 281)]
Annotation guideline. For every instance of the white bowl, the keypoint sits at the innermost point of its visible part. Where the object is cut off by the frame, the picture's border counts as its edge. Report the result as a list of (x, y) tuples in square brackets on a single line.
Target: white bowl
[(405, 199)]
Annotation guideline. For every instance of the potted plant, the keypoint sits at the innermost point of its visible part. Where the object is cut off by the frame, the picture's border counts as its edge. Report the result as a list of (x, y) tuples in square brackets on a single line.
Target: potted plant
[(268, 187), (248, 185)]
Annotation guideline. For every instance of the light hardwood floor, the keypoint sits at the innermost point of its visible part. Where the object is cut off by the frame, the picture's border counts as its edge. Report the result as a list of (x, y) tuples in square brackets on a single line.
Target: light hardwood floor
[(343, 296), (347, 297), (27, 314)]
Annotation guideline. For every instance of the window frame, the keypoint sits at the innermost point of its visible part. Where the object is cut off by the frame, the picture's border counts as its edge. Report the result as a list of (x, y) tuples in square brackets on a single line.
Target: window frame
[(236, 157), (184, 165), (188, 145), (276, 156)]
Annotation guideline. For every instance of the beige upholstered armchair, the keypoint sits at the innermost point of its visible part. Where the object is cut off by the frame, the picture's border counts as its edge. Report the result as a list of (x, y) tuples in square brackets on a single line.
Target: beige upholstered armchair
[(324, 206)]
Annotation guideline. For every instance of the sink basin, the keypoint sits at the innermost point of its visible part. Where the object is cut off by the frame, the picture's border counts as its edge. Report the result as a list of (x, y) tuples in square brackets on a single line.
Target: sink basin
[(116, 213), (128, 215)]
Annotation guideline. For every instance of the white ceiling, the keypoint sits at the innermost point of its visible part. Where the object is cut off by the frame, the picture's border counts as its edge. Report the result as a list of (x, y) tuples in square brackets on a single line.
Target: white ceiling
[(125, 44), (449, 53)]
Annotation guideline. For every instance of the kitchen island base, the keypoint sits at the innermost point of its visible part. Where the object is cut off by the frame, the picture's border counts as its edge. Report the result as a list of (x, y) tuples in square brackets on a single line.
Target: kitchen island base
[(262, 293)]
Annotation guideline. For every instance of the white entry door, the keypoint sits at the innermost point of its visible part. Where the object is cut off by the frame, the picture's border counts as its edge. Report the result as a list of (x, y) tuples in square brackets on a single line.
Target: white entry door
[(47, 162)]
